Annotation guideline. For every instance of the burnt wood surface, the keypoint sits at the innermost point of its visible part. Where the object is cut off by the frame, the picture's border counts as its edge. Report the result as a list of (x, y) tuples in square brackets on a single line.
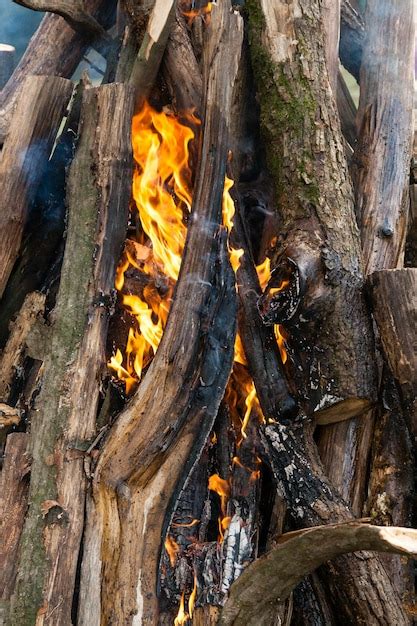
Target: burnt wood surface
[(63, 420), (158, 437)]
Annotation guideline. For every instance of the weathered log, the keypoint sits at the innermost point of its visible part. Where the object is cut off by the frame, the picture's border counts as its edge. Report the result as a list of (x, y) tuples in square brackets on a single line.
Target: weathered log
[(148, 60), (331, 21), (63, 421), (394, 299), (73, 12), (7, 54), (180, 68), (272, 577), (54, 50), (383, 153), (319, 250), (157, 439), (24, 158), (14, 485)]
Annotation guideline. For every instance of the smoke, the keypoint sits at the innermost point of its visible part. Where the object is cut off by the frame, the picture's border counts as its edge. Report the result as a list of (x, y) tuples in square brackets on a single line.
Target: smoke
[(17, 25)]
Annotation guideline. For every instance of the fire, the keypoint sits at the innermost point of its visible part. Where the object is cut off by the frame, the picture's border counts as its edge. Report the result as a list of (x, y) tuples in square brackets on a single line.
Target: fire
[(264, 274), (191, 601), (228, 214), (172, 549), (204, 12), (182, 616)]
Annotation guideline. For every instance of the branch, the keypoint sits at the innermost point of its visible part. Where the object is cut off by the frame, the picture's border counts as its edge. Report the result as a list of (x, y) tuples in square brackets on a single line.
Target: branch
[(272, 577), (73, 12)]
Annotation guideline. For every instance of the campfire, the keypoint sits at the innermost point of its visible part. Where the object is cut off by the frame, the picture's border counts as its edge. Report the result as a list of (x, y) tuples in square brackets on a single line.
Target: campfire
[(207, 381)]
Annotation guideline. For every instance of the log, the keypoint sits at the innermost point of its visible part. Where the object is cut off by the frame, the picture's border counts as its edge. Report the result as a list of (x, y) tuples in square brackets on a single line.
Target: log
[(273, 576), (158, 437), (352, 37), (7, 54), (24, 158), (318, 250), (394, 300), (347, 113), (54, 50), (63, 420), (383, 153), (331, 21), (14, 485), (148, 60)]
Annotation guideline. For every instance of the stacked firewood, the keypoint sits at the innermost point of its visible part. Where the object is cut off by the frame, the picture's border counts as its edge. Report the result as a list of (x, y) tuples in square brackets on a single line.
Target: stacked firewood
[(241, 464)]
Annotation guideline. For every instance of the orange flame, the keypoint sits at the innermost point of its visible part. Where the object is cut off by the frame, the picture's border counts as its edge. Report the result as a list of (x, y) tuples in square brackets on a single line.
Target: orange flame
[(191, 601), (172, 549), (228, 214), (182, 616), (204, 12)]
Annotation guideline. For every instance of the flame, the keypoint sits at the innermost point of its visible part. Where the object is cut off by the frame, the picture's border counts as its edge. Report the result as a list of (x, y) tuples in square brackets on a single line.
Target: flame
[(191, 601), (172, 549), (228, 214), (264, 272), (219, 485), (182, 616), (194, 522), (162, 194), (204, 12)]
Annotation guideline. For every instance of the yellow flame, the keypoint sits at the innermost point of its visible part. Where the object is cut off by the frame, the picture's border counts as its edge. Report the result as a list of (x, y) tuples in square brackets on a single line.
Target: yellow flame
[(172, 549), (191, 601), (182, 616), (204, 12)]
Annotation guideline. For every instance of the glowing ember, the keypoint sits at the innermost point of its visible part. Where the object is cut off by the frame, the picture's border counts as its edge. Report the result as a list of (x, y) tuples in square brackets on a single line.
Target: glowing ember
[(172, 549)]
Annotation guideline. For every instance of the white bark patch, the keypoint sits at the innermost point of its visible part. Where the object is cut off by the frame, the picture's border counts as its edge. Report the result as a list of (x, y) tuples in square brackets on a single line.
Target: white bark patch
[(157, 21)]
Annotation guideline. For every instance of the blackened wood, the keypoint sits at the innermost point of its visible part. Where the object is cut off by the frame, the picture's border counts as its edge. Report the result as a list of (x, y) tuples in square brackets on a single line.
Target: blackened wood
[(63, 421), (382, 157), (394, 299), (14, 483), (319, 249), (24, 158), (54, 50), (7, 61), (157, 439)]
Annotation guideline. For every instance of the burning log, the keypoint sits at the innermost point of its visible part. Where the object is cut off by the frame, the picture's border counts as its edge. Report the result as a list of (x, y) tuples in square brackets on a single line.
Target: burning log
[(383, 151), (24, 157), (157, 439), (98, 194)]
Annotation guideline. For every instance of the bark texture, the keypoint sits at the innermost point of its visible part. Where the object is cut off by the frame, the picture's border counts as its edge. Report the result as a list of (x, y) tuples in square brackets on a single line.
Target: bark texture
[(383, 153), (157, 439), (63, 421)]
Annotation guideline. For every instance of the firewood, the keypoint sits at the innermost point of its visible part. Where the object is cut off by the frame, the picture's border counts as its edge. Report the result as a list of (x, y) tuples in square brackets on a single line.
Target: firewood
[(352, 37), (157, 439), (24, 158), (63, 429), (394, 298), (274, 575), (318, 250), (14, 486), (54, 50), (347, 112), (383, 152), (7, 59)]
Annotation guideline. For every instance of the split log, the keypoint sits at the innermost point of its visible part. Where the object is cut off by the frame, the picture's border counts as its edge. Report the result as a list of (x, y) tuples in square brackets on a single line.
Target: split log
[(54, 50), (24, 158), (157, 439), (7, 54), (394, 299), (14, 485), (273, 576), (383, 153), (63, 421), (347, 113), (319, 251), (180, 68), (148, 60)]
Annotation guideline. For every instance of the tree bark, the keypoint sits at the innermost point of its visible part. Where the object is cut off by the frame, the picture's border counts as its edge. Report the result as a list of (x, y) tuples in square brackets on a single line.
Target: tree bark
[(383, 153), (63, 422), (319, 249), (24, 158), (156, 440), (394, 299)]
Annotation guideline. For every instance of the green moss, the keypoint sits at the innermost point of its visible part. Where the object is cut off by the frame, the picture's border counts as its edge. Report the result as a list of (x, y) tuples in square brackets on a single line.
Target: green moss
[(288, 109)]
